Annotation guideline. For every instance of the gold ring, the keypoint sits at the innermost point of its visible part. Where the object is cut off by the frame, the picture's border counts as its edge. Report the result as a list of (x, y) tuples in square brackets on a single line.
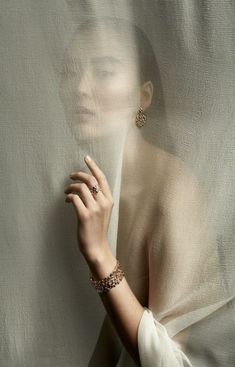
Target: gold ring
[(95, 189)]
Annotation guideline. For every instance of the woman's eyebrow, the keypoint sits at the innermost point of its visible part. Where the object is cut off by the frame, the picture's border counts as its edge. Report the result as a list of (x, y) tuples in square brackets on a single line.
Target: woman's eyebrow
[(106, 59), (99, 60), (72, 61)]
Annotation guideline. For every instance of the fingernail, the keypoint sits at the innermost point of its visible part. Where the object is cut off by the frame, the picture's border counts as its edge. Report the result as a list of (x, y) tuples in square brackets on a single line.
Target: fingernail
[(87, 158)]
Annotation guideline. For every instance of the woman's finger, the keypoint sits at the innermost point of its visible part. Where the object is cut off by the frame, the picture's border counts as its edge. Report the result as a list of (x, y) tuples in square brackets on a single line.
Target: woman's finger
[(89, 180), (99, 175), (79, 206), (84, 177), (84, 193)]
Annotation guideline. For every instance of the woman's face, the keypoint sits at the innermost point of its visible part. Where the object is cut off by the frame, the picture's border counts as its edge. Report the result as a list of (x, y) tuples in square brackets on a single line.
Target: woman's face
[(99, 85)]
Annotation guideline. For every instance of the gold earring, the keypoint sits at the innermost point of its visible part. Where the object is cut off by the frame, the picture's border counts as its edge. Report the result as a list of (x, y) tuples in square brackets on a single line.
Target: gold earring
[(140, 117)]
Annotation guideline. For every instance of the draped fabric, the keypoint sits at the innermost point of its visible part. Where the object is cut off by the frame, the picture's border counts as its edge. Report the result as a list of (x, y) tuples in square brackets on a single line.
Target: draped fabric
[(71, 79)]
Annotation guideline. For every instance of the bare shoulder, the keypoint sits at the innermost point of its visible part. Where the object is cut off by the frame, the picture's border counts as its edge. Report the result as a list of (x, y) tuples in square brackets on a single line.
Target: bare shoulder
[(172, 179)]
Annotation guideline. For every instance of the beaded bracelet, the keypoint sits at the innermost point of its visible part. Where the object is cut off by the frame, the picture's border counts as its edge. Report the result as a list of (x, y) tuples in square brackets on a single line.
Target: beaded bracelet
[(104, 285)]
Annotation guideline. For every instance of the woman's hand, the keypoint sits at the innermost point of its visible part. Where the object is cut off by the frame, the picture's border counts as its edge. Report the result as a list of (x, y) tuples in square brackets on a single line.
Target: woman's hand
[(93, 211)]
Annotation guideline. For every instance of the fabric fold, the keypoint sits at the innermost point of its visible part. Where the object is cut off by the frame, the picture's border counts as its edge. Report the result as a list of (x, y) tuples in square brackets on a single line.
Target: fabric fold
[(156, 348)]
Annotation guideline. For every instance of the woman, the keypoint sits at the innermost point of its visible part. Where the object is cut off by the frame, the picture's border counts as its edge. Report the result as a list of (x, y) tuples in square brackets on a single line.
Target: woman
[(108, 87)]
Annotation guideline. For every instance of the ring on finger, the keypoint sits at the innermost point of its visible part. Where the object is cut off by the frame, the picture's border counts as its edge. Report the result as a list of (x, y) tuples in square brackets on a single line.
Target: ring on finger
[(95, 189)]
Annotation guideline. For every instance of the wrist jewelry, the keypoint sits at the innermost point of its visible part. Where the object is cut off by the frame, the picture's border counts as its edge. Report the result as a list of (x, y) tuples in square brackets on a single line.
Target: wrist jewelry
[(104, 285)]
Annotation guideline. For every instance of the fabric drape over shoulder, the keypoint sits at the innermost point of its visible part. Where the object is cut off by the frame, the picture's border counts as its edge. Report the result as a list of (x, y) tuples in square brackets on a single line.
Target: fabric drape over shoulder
[(74, 75)]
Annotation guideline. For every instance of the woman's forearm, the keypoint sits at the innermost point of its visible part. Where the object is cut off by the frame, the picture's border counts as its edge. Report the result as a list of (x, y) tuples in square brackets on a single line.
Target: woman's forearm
[(122, 306)]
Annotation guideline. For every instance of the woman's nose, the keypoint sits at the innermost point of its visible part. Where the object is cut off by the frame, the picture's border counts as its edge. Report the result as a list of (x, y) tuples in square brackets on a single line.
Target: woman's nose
[(84, 84)]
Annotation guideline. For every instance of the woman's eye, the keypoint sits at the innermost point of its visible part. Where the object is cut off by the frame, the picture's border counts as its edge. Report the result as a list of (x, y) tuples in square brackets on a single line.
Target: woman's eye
[(67, 74), (104, 73), (70, 72)]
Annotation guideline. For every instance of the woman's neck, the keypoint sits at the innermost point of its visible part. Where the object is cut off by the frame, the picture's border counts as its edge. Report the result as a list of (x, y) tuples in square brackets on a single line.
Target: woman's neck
[(134, 145)]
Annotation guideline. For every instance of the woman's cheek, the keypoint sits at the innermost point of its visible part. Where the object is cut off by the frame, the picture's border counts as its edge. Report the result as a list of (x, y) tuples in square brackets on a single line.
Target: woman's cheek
[(118, 94)]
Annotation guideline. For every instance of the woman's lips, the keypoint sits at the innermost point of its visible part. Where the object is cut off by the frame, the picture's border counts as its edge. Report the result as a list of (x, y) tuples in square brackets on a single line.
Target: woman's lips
[(84, 111)]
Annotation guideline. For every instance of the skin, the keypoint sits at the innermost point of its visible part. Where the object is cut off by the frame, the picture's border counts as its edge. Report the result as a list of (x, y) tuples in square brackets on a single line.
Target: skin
[(119, 96)]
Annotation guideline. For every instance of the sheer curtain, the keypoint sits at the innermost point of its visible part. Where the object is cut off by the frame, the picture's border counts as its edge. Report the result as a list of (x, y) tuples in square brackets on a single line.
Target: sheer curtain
[(172, 225)]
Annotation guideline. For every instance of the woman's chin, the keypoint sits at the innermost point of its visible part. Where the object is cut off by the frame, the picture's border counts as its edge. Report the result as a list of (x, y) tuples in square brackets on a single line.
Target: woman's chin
[(84, 128), (86, 132)]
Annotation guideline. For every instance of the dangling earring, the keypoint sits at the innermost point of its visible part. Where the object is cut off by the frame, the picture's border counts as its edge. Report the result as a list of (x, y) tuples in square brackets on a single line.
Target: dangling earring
[(140, 117)]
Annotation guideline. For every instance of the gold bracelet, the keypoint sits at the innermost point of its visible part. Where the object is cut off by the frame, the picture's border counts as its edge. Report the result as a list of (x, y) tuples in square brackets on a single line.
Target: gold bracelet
[(113, 279)]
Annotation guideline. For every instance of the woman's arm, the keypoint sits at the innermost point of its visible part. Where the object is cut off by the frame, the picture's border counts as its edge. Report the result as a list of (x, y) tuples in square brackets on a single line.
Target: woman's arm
[(93, 212), (121, 305)]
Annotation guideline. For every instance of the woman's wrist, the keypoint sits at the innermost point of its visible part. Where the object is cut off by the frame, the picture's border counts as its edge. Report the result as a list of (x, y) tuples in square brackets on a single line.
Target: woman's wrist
[(102, 264)]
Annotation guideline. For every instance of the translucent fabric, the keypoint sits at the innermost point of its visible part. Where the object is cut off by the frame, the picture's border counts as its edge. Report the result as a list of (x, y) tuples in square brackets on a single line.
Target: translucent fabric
[(74, 75)]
